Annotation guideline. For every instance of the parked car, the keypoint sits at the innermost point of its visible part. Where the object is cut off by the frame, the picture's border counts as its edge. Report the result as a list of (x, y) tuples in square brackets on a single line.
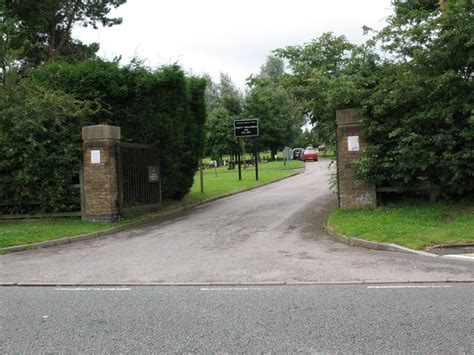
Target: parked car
[(309, 154), (297, 153)]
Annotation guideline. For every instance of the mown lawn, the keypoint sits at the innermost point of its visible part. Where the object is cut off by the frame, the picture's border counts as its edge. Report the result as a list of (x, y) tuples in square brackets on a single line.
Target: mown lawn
[(228, 180), (413, 224)]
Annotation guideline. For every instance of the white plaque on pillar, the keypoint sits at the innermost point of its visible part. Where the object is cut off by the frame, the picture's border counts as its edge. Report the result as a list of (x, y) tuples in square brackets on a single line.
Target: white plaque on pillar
[(95, 156), (353, 143)]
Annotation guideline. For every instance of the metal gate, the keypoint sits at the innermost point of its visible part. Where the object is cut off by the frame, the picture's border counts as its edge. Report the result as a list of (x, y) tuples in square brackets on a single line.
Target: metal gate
[(139, 177)]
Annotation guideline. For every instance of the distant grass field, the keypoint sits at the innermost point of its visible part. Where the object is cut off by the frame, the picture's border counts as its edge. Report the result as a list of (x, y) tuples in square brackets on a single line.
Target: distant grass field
[(227, 180), (413, 224)]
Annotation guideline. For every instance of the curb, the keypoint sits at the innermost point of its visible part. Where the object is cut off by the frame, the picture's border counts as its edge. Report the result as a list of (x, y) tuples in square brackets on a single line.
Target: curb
[(157, 217), (448, 246), (368, 244), (235, 284)]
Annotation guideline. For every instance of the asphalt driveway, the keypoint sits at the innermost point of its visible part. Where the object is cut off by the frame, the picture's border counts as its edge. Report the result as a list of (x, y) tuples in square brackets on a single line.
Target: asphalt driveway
[(271, 234)]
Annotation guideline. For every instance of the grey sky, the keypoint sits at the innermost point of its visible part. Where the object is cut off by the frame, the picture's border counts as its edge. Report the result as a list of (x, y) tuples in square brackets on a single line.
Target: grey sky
[(212, 36)]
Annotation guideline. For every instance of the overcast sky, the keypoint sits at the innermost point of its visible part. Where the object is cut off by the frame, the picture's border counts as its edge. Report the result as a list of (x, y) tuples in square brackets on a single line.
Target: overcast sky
[(234, 37)]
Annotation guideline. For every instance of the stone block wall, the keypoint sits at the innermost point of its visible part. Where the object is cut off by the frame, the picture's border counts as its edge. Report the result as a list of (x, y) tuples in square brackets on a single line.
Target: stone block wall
[(353, 193)]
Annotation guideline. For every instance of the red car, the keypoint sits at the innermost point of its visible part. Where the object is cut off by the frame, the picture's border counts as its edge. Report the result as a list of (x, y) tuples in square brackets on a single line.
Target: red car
[(309, 154)]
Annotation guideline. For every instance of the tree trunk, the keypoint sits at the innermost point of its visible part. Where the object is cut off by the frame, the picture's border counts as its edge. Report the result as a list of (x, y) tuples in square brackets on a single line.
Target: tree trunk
[(274, 152)]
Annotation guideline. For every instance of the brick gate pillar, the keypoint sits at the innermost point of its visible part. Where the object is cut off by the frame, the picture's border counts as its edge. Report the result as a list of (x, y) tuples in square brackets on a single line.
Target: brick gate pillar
[(353, 193), (100, 169)]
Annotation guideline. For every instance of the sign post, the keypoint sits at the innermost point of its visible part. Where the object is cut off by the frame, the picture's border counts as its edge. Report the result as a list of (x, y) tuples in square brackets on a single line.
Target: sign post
[(256, 159), (247, 128), (201, 176), (238, 160), (287, 154)]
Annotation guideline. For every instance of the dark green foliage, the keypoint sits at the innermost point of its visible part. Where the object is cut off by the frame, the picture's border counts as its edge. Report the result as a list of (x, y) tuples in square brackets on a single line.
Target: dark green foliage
[(39, 147), (269, 102), (271, 106), (43, 28), (420, 114), (305, 138), (318, 74), (414, 82), (194, 135), (162, 108), (220, 138)]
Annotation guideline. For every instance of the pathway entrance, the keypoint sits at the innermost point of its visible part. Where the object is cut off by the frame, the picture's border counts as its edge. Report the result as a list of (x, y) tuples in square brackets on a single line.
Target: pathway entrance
[(271, 234)]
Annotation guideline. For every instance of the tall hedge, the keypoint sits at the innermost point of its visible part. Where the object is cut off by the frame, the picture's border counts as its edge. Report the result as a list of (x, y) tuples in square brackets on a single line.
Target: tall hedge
[(164, 108)]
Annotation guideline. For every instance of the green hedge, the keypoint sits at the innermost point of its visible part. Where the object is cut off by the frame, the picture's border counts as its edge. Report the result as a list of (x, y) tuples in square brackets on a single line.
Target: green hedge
[(164, 108)]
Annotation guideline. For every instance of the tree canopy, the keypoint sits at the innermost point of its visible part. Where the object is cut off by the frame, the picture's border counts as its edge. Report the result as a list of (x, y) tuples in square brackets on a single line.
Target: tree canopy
[(420, 114), (269, 102), (413, 80), (314, 81), (225, 104), (40, 31)]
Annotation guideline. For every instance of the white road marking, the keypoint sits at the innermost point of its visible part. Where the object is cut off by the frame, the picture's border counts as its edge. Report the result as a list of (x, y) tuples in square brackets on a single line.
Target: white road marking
[(231, 289), (411, 286), (92, 289), (460, 256)]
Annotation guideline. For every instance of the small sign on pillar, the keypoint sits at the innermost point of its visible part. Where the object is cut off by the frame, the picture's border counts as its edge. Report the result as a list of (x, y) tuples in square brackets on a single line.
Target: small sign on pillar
[(95, 156), (153, 173), (353, 143)]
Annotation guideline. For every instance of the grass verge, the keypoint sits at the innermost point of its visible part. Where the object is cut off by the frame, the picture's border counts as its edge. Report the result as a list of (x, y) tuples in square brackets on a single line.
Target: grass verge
[(39, 230), (413, 224)]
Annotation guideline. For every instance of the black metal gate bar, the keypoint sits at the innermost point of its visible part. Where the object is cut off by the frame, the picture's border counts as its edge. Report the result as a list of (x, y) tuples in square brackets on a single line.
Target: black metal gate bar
[(136, 187)]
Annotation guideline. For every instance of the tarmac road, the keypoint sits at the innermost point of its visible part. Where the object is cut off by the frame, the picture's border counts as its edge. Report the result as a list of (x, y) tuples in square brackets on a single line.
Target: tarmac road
[(271, 234), (421, 319)]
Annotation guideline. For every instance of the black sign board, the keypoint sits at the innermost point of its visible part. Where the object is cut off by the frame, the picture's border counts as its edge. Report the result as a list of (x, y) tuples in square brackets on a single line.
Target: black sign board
[(246, 128)]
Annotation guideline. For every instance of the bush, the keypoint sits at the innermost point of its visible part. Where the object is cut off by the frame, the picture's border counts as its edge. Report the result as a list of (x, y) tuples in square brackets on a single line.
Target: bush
[(420, 113), (40, 147)]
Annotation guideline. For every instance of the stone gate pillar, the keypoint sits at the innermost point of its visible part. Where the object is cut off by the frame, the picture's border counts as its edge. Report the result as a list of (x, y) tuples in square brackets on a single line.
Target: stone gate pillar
[(100, 169), (352, 193)]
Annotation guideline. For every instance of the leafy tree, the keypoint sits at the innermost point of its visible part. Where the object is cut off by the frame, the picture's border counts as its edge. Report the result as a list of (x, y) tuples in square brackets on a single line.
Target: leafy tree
[(43, 28), (270, 103), (316, 74), (225, 104), (220, 128), (420, 114), (307, 137), (229, 95)]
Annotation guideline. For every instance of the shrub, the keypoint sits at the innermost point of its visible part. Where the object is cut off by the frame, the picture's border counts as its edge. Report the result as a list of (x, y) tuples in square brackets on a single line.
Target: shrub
[(40, 147)]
